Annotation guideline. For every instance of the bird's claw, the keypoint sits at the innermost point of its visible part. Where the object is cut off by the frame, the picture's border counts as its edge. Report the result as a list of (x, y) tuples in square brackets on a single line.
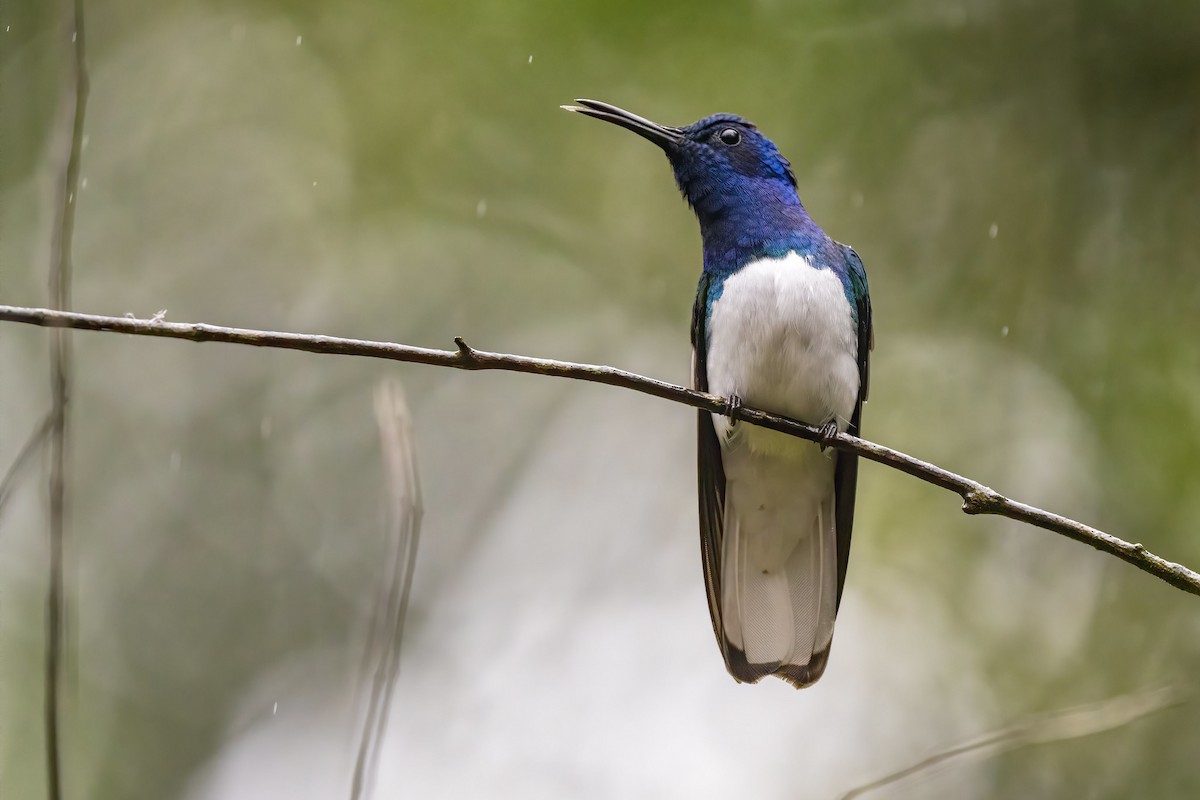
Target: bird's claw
[(735, 405), (827, 433)]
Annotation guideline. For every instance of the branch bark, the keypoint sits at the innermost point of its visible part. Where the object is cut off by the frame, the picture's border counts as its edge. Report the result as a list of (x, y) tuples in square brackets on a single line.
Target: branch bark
[(976, 497)]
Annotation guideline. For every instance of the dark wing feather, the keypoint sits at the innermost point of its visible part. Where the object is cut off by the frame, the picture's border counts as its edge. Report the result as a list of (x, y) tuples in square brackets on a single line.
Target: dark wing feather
[(845, 480), (711, 471)]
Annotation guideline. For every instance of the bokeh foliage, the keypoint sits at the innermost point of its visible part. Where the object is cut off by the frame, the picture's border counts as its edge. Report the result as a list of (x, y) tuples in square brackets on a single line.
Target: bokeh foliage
[(1022, 180)]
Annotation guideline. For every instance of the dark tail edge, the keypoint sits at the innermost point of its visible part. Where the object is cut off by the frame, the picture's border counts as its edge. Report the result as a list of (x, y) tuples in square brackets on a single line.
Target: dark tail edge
[(798, 675)]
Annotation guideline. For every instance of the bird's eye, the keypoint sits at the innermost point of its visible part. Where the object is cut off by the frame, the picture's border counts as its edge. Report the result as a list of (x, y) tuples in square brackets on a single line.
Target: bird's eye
[(730, 136)]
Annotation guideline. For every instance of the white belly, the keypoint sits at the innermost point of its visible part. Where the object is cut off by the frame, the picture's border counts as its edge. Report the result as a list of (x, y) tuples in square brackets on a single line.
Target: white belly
[(781, 337)]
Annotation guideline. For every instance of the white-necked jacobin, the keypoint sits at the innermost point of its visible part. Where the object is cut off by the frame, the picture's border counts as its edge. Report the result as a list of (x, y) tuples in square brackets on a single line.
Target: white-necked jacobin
[(781, 322)]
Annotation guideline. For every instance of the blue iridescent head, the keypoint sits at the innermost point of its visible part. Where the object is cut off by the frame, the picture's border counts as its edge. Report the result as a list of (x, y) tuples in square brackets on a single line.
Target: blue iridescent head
[(722, 163)]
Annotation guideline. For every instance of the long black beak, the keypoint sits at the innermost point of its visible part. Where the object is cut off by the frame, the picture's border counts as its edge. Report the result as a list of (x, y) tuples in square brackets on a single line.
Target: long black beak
[(661, 135)]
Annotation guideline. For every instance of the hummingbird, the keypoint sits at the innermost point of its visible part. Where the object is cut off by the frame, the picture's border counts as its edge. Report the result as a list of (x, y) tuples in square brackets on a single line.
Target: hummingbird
[(782, 323)]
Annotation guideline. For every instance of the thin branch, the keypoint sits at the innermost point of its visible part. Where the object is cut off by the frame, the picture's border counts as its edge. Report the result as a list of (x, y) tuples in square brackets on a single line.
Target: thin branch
[(977, 498), (1071, 723), (24, 457), (75, 92)]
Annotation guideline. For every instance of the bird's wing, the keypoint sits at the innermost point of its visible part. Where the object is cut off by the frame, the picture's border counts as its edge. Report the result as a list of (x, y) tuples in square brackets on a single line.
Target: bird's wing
[(711, 471), (845, 478)]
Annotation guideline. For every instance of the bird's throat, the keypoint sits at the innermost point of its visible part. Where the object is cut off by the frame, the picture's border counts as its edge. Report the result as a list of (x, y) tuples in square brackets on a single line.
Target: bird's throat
[(744, 232)]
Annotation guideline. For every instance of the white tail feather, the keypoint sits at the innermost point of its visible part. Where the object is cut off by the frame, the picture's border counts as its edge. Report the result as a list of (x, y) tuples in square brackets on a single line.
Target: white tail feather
[(779, 566)]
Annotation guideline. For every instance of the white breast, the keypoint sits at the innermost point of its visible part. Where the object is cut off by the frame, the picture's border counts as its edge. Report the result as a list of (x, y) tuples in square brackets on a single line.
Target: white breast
[(781, 337)]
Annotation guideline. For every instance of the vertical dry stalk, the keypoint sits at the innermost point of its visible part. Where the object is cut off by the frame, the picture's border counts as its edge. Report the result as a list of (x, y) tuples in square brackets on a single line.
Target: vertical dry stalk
[(75, 91), (386, 630)]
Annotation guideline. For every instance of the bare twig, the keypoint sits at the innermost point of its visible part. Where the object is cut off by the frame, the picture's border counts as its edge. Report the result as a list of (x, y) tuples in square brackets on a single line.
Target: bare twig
[(75, 91), (24, 456), (977, 498), (386, 632), (1071, 723)]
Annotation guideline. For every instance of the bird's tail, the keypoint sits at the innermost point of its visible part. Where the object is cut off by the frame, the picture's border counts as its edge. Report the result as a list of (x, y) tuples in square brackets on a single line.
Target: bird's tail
[(778, 566)]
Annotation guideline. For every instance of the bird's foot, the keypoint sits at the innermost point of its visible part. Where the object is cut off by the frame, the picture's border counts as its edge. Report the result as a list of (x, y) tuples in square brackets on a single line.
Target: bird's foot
[(827, 432), (735, 405)]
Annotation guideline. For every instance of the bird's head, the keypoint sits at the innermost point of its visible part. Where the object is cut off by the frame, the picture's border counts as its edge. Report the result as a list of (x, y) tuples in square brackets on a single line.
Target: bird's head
[(721, 163)]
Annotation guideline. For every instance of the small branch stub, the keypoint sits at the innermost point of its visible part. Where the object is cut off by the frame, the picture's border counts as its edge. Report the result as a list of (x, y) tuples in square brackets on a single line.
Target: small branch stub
[(465, 353), (982, 501)]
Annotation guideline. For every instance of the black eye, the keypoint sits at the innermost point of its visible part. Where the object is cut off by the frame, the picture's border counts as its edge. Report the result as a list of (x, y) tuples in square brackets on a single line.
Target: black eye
[(730, 136)]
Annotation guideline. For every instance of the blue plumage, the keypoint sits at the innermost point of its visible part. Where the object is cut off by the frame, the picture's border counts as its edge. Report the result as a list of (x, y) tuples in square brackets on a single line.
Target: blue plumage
[(781, 321)]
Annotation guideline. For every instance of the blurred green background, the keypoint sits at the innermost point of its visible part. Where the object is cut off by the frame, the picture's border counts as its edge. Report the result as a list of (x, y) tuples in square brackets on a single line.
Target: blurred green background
[(1022, 180)]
